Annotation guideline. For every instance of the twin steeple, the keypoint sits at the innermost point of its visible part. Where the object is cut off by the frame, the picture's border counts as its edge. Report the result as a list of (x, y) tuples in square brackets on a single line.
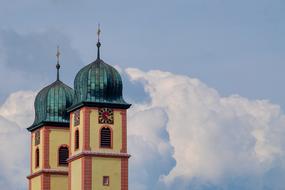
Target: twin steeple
[(80, 134)]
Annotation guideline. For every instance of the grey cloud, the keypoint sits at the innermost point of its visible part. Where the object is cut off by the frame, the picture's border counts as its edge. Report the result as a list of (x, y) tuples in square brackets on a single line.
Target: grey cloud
[(28, 60)]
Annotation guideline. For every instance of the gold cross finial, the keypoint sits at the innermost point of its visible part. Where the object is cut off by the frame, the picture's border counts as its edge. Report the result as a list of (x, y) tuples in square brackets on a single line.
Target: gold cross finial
[(98, 32), (57, 65), (57, 54), (98, 43)]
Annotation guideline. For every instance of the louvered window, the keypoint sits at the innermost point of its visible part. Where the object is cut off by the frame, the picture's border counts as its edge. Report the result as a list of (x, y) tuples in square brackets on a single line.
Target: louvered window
[(105, 137), (62, 155), (76, 139), (37, 158)]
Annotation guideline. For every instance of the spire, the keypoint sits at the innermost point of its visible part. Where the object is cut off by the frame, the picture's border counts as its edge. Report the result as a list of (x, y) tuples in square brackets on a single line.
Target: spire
[(98, 42), (57, 65)]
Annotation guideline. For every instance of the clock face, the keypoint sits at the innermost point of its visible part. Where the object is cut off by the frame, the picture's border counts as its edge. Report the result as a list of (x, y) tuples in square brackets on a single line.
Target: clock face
[(37, 137), (76, 117), (106, 115)]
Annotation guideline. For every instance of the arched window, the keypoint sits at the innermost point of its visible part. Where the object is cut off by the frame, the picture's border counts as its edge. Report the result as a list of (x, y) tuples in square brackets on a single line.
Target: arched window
[(37, 158), (76, 139), (105, 135), (63, 155)]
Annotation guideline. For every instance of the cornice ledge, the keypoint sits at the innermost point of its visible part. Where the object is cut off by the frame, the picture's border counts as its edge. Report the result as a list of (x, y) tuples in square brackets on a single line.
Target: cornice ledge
[(98, 154), (48, 171)]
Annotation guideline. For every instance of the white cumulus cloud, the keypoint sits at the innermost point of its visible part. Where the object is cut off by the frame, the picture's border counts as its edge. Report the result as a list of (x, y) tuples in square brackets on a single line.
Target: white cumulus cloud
[(15, 115), (213, 139), (186, 136), (18, 107)]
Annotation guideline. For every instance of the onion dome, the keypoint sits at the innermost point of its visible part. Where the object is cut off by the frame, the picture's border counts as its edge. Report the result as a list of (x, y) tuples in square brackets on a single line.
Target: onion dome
[(51, 104), (98, 84)]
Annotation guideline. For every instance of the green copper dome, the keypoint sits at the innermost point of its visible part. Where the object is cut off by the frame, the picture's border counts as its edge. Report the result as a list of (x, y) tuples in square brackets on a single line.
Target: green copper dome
[(51, 104), (99, 83)]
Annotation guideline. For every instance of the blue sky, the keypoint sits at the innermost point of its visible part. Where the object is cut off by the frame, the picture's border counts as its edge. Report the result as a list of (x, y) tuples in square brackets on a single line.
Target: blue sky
[(232, 47), (216, 41)]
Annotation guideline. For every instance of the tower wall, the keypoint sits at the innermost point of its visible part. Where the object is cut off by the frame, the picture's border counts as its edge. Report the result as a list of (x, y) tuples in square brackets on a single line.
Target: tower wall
[(49, 175), (58, 137), (116, 131), (33, 150), (90, 163), (59, 182), (73, 128), (35, 183), (75, 177), (106, 167)]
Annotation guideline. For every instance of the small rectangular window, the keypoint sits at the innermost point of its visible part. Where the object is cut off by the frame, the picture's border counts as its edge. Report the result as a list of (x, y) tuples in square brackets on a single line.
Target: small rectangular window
[(37, 157), (37, 137), (76, 139), (106, 180), (76, 117)]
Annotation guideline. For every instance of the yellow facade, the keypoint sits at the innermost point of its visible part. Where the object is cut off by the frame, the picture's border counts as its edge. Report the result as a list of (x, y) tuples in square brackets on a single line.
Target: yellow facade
[(106, 167), (59, 182), (73, 129), (76, 177), (36, 183), (33, 151), (95, 132), (100, 166), (58, 137)]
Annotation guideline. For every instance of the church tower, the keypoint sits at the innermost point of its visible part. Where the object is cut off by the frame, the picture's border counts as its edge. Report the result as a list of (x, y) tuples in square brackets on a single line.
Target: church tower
[(50, 137), (79, 137), (98, 129)]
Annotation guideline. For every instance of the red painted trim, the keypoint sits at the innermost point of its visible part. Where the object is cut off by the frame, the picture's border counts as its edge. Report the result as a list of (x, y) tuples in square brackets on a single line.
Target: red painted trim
[(48, 171), (83, 128), (31, 154), (98, 154), (124, 131), (124, 161), (57, 128), (69, 164), (86, 128), (82, 173), (111, 130), (69, 176), (31, 159), (45, 181), (42, 179), (124, 174), (30, 184), (63, 145), (46, 134), (117, 109), (86, 173)]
